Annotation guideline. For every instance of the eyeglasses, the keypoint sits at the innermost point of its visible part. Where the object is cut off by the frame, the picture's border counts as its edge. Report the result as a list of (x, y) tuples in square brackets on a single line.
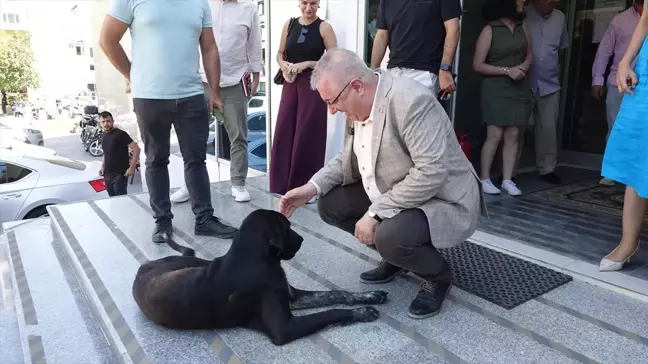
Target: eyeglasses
[(336, 99)]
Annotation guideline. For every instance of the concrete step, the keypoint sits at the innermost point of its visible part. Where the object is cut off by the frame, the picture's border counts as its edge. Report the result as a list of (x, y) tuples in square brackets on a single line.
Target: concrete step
[(55, 322), (106, 241)]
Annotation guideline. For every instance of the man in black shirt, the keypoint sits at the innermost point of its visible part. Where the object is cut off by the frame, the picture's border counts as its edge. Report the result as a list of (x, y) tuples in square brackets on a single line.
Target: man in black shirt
[(422, 36), (117, 165)]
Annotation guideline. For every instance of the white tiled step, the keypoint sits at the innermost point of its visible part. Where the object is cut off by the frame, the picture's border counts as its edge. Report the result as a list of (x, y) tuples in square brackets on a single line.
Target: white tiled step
[(54, 318)]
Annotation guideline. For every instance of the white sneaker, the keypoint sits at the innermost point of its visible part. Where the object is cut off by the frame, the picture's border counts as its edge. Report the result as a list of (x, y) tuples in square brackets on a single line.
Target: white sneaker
[(240, 194), (511, 188), (607, 182), (489, 188), (181, 195)]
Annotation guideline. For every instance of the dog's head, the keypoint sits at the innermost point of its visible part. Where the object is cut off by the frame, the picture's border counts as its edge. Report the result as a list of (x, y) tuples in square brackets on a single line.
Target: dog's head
[(273, 228)]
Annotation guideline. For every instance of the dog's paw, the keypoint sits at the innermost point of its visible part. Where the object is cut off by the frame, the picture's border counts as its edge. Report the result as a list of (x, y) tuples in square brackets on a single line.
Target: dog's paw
[(373, 297), (365, 314)]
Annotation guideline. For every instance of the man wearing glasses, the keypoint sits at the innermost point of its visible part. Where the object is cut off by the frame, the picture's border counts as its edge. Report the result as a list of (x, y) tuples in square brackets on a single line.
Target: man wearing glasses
[(400, 179)]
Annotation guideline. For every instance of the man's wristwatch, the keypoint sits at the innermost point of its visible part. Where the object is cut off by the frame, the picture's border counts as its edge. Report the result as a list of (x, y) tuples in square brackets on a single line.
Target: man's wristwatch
[(446, 67), (374, 216)]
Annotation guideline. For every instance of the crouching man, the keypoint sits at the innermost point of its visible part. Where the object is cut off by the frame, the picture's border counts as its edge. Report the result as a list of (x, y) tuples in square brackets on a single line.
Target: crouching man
[(401, 183)]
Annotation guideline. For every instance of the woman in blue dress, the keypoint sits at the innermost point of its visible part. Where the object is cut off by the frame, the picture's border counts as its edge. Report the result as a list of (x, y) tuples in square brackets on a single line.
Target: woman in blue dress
[(626, 153)]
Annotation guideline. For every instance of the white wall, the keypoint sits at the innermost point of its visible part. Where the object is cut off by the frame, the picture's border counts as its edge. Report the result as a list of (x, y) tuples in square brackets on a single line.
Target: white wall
[(347, 18)]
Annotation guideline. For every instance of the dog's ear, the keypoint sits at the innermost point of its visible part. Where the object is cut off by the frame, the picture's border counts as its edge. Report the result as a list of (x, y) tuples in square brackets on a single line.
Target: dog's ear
[(280, 232)]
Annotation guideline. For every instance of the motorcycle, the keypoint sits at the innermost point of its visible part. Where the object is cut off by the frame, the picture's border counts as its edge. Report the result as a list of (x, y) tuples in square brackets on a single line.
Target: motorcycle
[(94, 141), (86, 124)]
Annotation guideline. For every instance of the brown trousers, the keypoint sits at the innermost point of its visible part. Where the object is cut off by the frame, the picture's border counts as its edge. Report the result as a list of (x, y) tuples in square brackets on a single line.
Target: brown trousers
[(403, 240)]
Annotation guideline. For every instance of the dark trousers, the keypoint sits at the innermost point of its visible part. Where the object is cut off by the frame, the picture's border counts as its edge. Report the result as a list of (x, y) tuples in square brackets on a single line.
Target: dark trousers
[(116, 184), (299, 144), (403, 240), (190, 118)]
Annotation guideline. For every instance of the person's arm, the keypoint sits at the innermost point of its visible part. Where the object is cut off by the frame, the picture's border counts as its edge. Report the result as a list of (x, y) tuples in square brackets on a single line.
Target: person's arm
[(209, 51), (425, 137), (637, 40), (481, 50), (136, 154), (603, 54), (254, 49), (450, 13), (281, 61), (116, 22), (528, 60), (381, 41)]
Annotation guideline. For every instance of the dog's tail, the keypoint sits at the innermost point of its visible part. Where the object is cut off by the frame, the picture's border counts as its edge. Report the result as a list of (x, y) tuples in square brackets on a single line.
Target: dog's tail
[(186, 251)]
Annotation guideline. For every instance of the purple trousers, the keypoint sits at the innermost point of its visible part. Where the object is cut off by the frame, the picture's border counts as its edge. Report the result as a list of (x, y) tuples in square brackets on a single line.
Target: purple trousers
[(299, 144)]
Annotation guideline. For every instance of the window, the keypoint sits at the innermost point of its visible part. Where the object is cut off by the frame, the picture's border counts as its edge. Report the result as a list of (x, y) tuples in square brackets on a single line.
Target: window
[(11, 18), (92, 67), (11, 173), (4, 17), (79, 50), (91, 52), (257, 123), (260, 151), (261, 8), (255, 102), (17, 18)]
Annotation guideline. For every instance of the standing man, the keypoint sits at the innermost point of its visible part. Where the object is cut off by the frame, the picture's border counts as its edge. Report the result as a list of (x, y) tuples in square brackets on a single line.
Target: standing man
[(548, 32), (166, 89), (613, 45), (238, 35), (422, 37), (117, 165), (401, 182)]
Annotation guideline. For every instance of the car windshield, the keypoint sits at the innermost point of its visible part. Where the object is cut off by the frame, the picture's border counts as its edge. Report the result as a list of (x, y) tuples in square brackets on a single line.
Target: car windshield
[(60, 161)]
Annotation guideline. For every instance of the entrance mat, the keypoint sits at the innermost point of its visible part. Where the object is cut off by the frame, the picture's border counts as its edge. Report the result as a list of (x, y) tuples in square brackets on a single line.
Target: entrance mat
[(499, 278), (588, 195)]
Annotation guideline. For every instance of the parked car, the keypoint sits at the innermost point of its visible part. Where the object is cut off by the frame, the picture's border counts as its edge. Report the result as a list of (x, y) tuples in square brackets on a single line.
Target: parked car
[(257, 155), (8, 142), (257, 103), (256, 127), (29, 182)]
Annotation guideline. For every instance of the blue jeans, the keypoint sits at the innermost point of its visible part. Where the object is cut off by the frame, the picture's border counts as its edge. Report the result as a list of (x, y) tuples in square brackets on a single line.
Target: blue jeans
[(190, 118)]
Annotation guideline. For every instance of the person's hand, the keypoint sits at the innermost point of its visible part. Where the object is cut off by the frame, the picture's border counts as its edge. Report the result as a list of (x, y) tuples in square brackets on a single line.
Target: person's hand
[(446, 83), (626, 78), (516, 73), (129, 172), (254, 88), (365, 229), (297, 68), (289, 77), (285, 66), (295, 198), (597, 92), (216, 103), (101, 171)]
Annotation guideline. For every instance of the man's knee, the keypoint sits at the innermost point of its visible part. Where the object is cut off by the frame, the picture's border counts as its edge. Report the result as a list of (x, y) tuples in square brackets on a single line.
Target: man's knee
[(156, 155), (326, 207), (398, 237)]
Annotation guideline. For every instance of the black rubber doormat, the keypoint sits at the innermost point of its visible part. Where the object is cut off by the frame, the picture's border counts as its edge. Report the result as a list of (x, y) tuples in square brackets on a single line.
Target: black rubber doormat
[(499, 278)]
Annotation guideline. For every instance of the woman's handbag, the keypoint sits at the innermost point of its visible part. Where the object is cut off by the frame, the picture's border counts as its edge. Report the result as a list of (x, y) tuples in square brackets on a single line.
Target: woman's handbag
[(278, 78)]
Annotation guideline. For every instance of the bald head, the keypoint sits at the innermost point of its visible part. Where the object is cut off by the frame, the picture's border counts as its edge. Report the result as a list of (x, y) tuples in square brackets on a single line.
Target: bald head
[(338, 66)]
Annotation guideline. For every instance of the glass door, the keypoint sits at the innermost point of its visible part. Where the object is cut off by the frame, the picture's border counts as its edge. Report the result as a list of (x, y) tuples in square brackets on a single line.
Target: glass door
[(584, 124)]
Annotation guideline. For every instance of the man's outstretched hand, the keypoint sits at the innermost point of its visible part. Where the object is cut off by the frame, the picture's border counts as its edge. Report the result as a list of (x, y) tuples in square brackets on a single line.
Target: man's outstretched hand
[(296, 198)]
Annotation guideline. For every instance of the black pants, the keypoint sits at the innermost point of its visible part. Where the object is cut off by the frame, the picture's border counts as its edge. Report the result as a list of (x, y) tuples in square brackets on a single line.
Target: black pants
[(116, 184), (190, 118), (403, 240)]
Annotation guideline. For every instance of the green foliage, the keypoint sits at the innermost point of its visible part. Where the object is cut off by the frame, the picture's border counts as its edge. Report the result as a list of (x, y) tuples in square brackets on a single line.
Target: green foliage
[(17, 65)]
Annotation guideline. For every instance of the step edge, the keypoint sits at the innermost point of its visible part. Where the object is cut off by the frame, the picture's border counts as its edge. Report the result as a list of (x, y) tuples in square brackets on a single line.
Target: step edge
[(110, 332)]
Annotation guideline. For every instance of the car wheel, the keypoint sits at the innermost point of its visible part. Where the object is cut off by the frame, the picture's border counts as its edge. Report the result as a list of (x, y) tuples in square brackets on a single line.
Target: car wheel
[(96, 149), (40, 211)]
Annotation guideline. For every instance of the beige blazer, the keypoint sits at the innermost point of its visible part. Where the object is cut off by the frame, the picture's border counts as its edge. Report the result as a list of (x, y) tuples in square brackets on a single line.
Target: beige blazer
[(417, 161)]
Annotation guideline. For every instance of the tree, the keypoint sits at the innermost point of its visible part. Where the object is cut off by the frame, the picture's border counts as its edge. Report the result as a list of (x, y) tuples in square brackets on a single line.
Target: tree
[(17, 65)]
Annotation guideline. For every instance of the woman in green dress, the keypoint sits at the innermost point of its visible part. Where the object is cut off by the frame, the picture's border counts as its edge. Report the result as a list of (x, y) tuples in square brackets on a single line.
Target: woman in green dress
[(503, 57)]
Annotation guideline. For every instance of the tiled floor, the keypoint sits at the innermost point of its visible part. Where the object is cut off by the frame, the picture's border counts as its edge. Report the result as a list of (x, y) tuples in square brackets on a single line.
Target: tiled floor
[(105, 241)]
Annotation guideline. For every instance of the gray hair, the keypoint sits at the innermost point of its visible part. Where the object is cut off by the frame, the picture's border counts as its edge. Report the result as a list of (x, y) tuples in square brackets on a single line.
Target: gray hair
[(339, 64)]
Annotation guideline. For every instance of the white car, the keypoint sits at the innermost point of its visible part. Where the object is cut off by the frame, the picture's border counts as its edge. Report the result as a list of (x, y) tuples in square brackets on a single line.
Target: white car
[(31, 181), (8, 142)]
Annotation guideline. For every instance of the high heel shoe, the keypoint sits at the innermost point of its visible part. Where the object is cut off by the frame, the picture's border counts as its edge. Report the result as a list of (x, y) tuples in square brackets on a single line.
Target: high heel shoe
[(608, 265)]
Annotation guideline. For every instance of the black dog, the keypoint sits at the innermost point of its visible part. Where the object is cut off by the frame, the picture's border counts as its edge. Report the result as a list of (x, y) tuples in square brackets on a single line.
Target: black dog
[(245, 287)]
